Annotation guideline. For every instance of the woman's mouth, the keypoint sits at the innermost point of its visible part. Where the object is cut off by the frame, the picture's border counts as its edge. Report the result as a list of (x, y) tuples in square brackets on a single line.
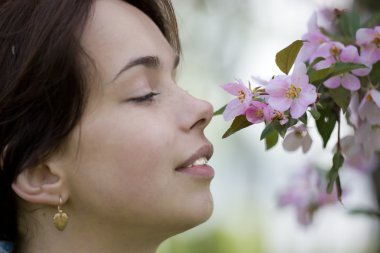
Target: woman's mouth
[(197, 165)]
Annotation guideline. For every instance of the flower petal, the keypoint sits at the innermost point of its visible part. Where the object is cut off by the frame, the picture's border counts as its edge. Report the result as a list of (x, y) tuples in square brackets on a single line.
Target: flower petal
[(233, 109), (255, 113), (350, 82), (308, 94), (362, 71), (234, 88), (333, 82), (349, 54), (373, 114), (324, 64), (322, 51), (299, 75), (353, 108), (306, 143), (306, 51), (279, 103), (363, 107), (365, 36), (291, 142), (375, 94), (259, 80), (277, 87), (368, 54), (297, 109), (312, 24)]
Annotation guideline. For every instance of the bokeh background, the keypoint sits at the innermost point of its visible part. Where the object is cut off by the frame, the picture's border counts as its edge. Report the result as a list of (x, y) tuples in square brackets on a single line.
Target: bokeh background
[(223, 40)]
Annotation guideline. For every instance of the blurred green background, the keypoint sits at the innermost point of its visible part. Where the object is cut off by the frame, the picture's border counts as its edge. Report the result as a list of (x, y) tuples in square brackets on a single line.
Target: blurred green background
[(223, 40)]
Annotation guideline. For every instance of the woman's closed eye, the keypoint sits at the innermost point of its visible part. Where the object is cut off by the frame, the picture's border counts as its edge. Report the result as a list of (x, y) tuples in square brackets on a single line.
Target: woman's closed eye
[(145, 98)]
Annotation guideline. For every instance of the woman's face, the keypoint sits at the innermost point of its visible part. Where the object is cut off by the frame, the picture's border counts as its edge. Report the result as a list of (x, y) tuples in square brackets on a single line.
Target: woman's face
[(122, 161)]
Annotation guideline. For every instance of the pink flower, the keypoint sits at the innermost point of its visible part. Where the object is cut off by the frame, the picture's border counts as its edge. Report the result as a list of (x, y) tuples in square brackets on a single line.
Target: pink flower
[(354, 156), (237, 106), (330, 51), (292, 92), (369, 41), (299, 137), (347, 80), (369, 108), (312, 40), (258, 112), (307, 193), (366, 57), (324, 18), (277, 115), (333, 52), (259, 80), (369, 137), (353, 108)]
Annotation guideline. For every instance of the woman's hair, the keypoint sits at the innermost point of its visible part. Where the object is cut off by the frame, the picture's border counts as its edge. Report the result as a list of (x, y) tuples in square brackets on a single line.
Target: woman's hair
[(42, 83)]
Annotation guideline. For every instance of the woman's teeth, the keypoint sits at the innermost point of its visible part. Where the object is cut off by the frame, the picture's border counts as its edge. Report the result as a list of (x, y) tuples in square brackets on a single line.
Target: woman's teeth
[(198, 162)]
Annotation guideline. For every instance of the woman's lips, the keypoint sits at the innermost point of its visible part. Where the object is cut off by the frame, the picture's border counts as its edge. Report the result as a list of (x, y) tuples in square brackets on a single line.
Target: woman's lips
[(196, 164), (202, 171)]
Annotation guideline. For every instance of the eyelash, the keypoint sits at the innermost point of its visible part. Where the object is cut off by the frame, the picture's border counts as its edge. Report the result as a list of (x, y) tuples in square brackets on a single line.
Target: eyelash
[(146, 98)]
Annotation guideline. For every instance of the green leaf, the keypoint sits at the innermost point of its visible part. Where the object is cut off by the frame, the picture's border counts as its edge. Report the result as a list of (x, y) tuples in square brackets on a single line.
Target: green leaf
[(220, 111), (239, 123), (303, 118), (338, 160), (270, 135), (375, 73), (320, 75), (336, 69), (271, 140), (282, 129), (326, 124), (341, 97), (286, 57), (267, 130), (367, 212), (315, 113), (349, 23), (344, 67), (316, 60)]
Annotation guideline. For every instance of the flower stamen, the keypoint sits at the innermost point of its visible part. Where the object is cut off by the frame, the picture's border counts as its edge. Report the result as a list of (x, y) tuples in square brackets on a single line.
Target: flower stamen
[(259, 113), (335, 51), (369, 98), (241, 96), (377, 40), (300, 133), (293, 92)]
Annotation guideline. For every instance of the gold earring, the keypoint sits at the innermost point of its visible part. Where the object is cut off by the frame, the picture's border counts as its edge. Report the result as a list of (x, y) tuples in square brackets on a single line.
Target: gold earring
[(60, 218)]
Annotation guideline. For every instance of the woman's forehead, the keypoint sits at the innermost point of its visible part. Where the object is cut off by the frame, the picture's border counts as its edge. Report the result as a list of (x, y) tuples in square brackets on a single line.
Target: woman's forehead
[(118, 32)]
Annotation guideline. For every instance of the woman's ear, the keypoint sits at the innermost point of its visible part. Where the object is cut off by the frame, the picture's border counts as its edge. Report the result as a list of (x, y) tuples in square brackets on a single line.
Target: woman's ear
[(41, 185)]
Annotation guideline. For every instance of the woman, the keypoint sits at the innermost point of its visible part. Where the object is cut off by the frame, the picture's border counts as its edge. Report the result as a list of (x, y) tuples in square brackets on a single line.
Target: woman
[(94, 130)]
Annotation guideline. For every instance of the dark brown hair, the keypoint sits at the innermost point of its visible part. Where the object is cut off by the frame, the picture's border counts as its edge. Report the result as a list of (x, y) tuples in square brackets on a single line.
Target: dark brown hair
[(42, 87)]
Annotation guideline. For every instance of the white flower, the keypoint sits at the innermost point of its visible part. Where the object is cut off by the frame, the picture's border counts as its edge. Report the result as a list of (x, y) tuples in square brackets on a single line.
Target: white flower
[(369, 137), (369, 108), (298, 138)]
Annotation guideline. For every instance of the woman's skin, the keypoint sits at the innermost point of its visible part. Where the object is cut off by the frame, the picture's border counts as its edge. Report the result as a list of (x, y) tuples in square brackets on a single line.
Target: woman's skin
[(121, 171)]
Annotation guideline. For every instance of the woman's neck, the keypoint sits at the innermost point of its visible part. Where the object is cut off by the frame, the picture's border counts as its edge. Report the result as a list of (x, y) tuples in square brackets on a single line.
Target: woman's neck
[(85, 237), (87, 243)]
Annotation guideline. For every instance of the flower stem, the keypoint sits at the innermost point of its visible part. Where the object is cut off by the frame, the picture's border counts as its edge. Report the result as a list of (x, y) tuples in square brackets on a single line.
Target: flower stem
[(339, 150)]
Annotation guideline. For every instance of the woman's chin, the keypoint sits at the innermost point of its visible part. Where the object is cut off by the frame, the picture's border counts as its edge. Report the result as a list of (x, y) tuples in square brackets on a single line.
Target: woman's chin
[(195, 214)]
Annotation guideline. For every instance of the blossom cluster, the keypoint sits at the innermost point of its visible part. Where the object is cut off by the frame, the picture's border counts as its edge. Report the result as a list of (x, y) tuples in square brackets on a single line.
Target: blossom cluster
[(335, 74), (283, 93), (307, 194)]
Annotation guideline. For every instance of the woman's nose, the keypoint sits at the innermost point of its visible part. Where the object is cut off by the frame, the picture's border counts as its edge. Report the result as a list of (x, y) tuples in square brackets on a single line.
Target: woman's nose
[(197, 113)]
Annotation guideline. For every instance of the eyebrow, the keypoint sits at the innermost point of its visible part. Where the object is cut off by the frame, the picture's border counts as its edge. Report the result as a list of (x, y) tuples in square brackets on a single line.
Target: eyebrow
[(146, 61)]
